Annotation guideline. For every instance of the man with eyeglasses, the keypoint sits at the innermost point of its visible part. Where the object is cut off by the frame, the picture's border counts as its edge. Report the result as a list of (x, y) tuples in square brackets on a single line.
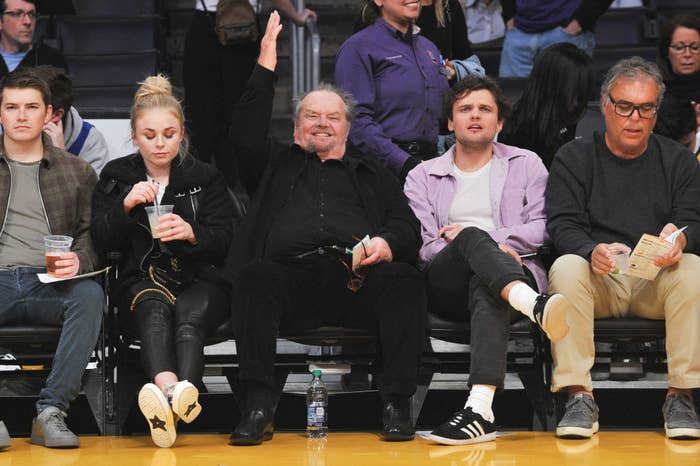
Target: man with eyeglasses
[(602, 195), (289, 262), (17, 45)]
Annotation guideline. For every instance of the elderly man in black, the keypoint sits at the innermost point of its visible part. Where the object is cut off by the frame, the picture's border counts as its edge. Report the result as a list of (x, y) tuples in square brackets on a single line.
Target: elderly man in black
[(311, 201)]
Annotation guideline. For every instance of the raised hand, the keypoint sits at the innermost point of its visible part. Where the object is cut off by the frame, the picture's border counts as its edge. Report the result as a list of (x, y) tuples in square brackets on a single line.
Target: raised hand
[(268, 44)]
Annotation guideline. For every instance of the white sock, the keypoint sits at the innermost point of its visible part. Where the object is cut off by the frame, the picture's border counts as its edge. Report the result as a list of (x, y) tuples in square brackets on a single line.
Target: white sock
[(480, 400), (522, 297)]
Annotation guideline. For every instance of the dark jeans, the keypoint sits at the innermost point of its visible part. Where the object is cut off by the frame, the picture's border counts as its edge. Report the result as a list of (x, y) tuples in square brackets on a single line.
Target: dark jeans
[(172, 337), (466, 279), (269, 296), (76, 305), (214, 78)]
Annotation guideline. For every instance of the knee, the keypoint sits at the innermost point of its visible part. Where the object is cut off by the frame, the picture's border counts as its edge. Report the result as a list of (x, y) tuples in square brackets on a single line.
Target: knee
[(470, 234), (89, 299), (686, 275), (569, 272)]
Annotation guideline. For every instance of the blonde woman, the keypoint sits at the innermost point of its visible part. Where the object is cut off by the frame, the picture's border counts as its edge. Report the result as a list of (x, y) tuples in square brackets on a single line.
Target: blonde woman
[(171, 294)]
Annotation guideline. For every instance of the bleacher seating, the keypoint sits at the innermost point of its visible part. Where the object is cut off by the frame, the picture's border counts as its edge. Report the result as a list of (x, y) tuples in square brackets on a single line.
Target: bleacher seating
[(106, 35), (113, 8), (626, 28)]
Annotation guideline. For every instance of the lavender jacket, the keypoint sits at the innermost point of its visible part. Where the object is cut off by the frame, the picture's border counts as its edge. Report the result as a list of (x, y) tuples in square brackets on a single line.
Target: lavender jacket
[(518, 181)]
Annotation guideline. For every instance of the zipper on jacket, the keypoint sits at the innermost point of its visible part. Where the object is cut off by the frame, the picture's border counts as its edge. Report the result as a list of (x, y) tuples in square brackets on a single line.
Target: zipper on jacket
[(150, 249), (41, 198)]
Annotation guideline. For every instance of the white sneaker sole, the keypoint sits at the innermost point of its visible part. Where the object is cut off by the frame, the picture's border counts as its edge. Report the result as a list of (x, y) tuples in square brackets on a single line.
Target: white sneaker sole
[(185, 401), (682, 433), (577, 432), (451, 441), (554, 317), (155, 408)]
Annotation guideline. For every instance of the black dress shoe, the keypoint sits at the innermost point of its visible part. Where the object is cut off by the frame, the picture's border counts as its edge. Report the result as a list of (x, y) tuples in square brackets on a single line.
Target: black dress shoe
[(255, 427), (396, 417)]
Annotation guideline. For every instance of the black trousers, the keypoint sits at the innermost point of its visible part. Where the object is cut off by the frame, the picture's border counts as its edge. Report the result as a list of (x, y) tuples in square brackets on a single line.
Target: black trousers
[(214, 78), (465, 280), (269, 296), (172, 337)]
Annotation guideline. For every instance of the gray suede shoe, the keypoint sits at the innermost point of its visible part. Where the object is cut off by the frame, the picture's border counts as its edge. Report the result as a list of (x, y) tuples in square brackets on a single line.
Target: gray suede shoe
[(580, 419), (49, 429), (681, 420), (4, 436)]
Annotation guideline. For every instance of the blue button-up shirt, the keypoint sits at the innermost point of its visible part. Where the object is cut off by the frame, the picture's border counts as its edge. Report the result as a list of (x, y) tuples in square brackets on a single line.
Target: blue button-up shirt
[(396, 81)]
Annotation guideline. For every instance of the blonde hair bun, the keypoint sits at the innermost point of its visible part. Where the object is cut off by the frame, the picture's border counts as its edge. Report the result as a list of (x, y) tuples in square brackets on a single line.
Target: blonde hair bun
[(154, 86)]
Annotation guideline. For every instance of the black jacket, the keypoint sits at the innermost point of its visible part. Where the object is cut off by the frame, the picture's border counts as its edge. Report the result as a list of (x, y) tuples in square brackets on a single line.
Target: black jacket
[(270, 170), (198, 192), (40, 54)]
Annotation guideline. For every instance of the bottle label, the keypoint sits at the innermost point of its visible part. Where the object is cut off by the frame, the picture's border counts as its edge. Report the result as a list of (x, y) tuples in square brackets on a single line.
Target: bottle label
[(316, 414)]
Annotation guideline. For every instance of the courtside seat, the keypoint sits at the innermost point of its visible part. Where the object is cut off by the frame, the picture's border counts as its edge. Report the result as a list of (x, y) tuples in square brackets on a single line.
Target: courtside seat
[(35, 345), (529, 358)]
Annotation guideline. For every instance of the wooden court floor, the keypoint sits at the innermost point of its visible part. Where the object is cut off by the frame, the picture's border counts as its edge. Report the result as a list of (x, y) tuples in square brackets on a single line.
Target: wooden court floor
[(359, 449)]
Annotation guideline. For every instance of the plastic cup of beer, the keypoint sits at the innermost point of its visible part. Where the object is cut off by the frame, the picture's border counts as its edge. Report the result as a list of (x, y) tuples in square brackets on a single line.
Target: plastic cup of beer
[(154, 213), (55, 246)]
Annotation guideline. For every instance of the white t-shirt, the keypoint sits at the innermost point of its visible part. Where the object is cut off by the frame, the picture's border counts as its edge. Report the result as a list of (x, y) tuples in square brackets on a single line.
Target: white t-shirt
[(211, 5), (471, 205)]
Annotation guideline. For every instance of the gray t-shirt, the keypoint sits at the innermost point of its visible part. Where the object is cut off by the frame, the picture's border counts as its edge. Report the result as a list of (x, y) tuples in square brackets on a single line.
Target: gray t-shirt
[(22, 239)]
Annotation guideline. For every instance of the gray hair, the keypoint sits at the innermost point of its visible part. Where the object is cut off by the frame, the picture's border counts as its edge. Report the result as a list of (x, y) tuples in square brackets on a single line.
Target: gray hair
[(347, 98), (633, 67)]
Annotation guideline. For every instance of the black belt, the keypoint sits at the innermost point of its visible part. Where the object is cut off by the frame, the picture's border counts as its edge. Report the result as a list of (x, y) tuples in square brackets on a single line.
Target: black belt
[(424, 150)]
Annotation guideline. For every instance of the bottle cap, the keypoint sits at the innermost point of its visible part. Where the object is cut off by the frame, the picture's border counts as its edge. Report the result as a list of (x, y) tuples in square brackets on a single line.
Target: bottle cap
[(316, 372)]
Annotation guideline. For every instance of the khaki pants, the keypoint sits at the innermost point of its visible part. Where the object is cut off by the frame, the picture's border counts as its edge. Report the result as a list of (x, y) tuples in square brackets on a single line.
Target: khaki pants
[(673, 296)]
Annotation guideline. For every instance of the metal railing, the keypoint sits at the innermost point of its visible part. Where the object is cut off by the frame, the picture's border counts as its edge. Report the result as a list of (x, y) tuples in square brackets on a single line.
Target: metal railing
[(305, 53)]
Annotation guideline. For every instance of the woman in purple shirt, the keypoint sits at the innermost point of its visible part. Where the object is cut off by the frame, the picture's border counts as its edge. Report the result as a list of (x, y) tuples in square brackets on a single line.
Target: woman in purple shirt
[(394, 74)]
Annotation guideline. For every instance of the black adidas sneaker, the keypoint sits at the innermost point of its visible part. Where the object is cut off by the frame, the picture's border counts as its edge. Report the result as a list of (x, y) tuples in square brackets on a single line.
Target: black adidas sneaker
[(463, 428)]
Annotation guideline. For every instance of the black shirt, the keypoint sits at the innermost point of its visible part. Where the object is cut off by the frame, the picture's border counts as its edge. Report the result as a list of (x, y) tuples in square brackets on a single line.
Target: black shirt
[(595, 197), (324, 208), (451, 40)]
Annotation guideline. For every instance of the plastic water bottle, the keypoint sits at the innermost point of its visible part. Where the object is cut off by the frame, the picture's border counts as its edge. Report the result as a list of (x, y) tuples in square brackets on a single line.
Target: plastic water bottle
[(317, 407)]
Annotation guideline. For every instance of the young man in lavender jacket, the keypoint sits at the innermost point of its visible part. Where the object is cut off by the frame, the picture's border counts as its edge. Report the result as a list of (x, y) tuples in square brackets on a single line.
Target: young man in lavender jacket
[(481, 206)]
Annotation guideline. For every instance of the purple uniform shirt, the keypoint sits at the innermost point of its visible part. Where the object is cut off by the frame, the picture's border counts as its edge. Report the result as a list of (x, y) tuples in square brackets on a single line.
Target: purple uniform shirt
[(398, 88)]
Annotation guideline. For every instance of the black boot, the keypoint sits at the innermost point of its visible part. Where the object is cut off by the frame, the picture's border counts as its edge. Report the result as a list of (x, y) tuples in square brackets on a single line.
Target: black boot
[(397, 422), (258, 419), (256, 426)]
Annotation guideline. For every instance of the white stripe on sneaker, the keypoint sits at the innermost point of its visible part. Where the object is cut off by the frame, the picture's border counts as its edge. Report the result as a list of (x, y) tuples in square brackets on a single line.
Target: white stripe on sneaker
[(467, 431)]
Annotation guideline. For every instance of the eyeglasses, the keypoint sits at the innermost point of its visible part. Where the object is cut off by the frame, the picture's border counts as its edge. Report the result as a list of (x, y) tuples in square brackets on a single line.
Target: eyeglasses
[(680, 48), (18, 14), (626, 109)]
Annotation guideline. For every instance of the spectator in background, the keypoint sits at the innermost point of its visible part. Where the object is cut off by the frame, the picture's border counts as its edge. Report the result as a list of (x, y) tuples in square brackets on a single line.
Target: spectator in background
[(676, 120), (440, 21), (552, 103), (171, 294), (533, 25), (67, 129), (395, 76), (214, 77), (484, 20), (678, 57), (17, 44)]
